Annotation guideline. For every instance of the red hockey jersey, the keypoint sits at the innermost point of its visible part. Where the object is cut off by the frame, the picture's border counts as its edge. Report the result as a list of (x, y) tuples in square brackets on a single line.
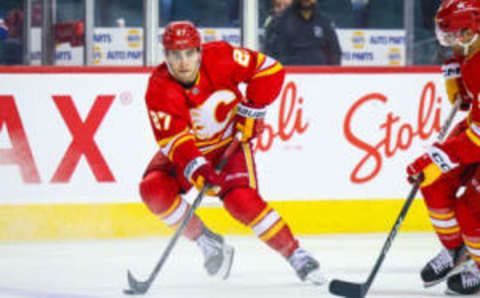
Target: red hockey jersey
[(190, 122), (465, 148)]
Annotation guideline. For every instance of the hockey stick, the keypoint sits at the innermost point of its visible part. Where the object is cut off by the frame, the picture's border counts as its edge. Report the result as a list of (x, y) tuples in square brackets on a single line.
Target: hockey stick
[(141, 287), (359, 290)]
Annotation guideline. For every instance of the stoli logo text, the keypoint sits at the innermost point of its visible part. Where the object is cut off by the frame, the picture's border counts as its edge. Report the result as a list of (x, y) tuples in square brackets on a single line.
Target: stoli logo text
[(397, 134), (290, 120)]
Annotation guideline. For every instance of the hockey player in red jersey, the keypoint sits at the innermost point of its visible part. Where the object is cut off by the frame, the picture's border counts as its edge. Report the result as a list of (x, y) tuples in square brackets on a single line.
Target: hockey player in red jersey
[(449, 171), (195, 109)]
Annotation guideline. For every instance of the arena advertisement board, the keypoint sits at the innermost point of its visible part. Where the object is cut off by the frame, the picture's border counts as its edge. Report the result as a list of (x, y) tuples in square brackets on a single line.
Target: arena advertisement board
[(349, 136), (124, 46), (372, 47), (120, 46), (74, 143), (85, 137)]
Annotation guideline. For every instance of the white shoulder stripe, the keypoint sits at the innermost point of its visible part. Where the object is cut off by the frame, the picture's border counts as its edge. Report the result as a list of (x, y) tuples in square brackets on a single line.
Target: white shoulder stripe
[(267, 63), (476, 129)]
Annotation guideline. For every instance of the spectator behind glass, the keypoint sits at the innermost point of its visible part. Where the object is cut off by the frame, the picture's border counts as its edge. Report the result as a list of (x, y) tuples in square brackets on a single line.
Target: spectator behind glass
[(13, 44), (277, 7), (302, 35)]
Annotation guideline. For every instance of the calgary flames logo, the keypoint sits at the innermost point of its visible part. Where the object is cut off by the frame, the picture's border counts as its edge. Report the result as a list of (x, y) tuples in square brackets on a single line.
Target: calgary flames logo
[(212, 116)]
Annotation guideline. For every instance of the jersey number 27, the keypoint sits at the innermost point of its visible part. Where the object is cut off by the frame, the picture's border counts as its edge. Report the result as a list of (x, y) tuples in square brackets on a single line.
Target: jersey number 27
[(160, 120), (241, 56)]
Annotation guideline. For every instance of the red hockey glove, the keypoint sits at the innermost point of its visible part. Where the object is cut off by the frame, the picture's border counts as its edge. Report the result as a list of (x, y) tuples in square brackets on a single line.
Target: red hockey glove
[(249, 120), (199, 171), (415, 169), (430, 166)]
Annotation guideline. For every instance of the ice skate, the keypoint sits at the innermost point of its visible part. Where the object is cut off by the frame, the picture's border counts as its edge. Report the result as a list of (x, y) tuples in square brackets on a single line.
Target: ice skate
[(218, 255), (466, 282), (446, 263), (306, 266)]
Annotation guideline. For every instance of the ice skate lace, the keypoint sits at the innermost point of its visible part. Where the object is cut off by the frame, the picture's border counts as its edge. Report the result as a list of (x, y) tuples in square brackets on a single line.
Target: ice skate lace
[(299, 258), (471, 276), (442, 261)]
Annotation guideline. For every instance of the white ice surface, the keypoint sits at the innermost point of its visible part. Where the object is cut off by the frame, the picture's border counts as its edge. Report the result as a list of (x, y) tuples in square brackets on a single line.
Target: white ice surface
[(74, 269)]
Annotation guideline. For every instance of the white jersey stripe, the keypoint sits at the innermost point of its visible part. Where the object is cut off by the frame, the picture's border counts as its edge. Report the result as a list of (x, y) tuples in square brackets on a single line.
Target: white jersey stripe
[(177, 214), (444, 223), (266, 223), (474, 251)]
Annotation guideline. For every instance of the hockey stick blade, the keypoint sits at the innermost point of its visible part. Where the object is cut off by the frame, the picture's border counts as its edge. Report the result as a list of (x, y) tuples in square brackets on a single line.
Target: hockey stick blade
[(136, 287), (347, 289)]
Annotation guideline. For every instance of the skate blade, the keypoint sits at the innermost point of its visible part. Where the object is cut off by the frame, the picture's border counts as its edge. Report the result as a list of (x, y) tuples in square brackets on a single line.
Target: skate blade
[(436, 282), (228, 254), (468, 263), (452, 293), (461, 266)]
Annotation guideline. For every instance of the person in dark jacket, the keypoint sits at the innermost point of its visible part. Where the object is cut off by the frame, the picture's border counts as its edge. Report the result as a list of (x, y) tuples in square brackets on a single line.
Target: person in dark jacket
[(302, 35)]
